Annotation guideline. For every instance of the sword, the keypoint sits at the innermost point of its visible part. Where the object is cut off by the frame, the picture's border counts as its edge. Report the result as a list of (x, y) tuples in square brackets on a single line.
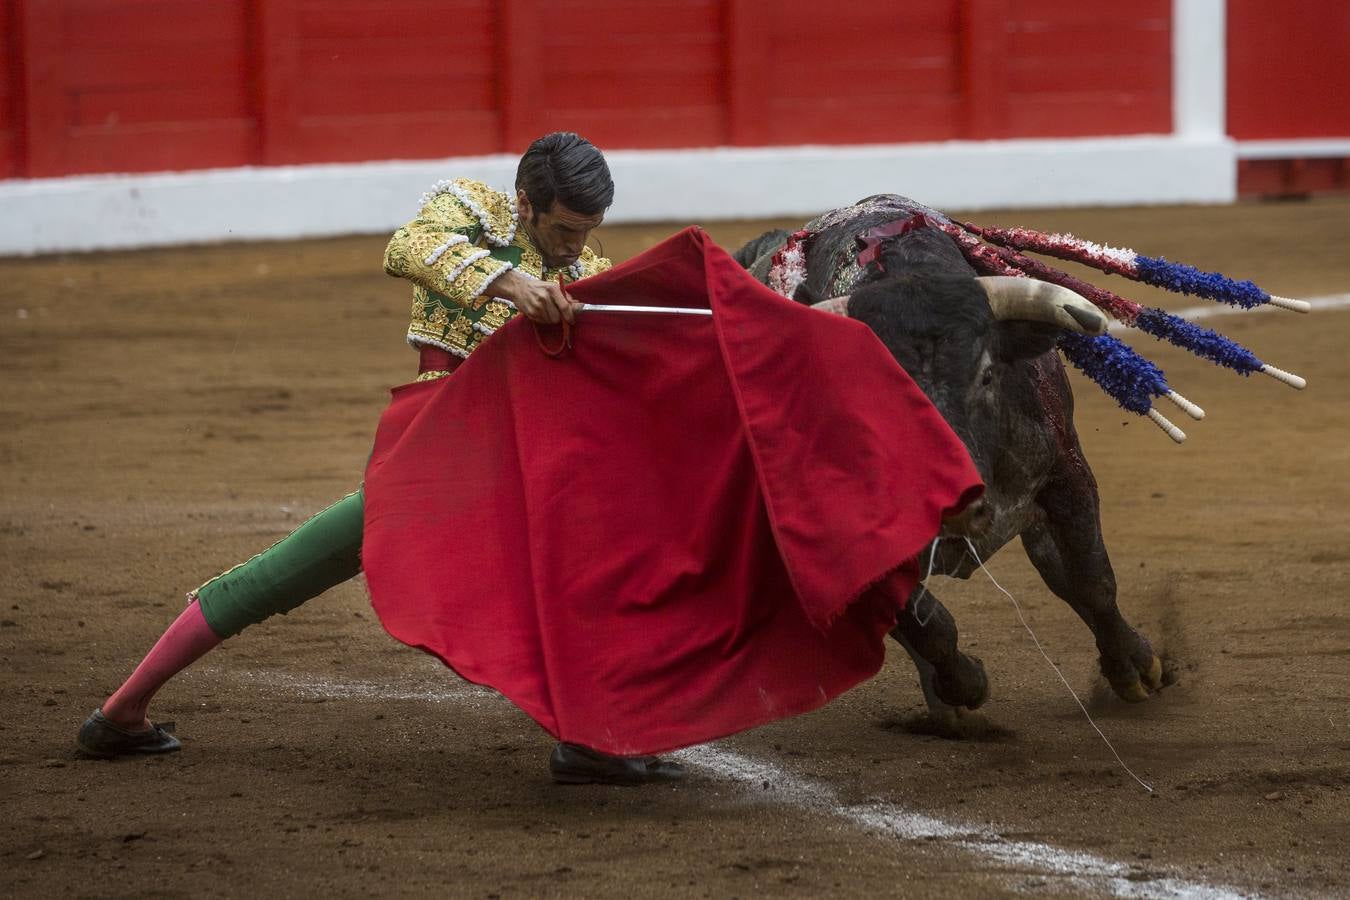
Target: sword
[(619, 308)]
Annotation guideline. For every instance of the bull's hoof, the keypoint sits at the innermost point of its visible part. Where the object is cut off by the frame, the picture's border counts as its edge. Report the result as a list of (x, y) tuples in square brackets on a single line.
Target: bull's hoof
[(1133, 692), (1154, 677), (963, 683), (1138, 686)]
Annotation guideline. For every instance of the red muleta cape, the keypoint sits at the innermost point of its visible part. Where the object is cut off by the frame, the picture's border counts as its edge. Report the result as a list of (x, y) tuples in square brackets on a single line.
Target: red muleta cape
[(666, 535)]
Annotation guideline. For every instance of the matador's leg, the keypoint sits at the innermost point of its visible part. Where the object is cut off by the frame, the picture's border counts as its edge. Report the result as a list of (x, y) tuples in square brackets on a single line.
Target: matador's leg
[(322, 552)]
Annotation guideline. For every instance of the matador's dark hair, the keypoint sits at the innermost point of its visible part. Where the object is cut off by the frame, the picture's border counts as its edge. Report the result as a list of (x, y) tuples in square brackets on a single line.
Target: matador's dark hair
[(566, 167)]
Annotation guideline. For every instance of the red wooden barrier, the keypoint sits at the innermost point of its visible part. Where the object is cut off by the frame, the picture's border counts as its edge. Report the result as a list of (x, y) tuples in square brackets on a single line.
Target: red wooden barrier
[(142, 85), (11, 77), (135, 85), (1289, 78), (1077, 69), (1288, 69), (629, 74)]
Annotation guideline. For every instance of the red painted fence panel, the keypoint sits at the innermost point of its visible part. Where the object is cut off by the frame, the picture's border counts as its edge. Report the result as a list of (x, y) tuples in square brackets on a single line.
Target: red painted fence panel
[(1288, 69), (629, 74), (139, 85), (1289, 79), (135, 85), (863, 73), (11, 149), (1078, 69), (397, 79)]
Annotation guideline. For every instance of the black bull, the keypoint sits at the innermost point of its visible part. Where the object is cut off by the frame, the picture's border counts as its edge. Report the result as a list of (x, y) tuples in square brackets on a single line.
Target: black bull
[(1002, 387)]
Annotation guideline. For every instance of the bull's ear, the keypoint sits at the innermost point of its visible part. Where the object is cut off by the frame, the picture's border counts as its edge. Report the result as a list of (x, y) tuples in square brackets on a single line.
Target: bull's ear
[(1016, 340)]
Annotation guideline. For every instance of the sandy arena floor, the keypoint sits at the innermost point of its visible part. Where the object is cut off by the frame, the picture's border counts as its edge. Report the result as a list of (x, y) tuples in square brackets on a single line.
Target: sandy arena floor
[(167, 414)]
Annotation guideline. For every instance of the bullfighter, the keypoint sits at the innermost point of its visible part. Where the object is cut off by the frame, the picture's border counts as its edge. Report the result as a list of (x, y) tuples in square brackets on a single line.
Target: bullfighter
[(476, 258)]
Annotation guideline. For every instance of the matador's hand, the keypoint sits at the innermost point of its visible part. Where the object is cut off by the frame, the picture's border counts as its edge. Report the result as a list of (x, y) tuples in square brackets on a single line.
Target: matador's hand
[(538, 301)]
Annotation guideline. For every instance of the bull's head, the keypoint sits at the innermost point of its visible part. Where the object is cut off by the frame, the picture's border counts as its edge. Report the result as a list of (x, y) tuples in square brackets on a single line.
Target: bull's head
[(963, 341)]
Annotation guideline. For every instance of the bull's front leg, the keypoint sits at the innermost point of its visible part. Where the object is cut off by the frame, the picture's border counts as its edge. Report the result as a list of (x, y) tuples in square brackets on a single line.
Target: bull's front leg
[(950, 679), (1065, 545)]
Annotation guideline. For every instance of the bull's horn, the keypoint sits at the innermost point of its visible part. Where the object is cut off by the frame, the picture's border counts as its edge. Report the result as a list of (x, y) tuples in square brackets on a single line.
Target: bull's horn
[(1030, 300), (837, 305)]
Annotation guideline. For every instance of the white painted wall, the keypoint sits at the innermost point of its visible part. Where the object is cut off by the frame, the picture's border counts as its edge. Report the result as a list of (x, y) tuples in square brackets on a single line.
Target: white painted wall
[(1199, 69), (116, 211), (732, 183)]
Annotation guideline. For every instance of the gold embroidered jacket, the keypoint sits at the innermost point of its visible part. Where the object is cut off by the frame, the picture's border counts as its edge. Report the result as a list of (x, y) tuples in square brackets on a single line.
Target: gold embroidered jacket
[(463, 239)]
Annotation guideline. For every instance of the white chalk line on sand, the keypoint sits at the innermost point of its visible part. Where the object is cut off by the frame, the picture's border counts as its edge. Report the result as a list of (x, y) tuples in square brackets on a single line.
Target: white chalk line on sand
[(764, 781), (1078, 870), (1215, 310)]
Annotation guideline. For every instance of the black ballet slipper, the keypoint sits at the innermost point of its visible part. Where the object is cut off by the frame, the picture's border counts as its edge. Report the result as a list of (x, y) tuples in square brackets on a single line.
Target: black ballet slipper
[(103, 739)]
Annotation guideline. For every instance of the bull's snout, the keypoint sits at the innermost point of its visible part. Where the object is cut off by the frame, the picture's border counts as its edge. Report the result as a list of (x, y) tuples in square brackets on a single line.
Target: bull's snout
[(972, 520)]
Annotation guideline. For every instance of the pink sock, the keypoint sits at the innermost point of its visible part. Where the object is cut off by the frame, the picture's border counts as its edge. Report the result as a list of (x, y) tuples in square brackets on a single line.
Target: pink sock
[(183, 643)]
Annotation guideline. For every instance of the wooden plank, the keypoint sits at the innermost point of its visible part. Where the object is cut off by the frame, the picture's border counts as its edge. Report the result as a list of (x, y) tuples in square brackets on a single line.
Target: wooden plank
[(374, 51), (652, 76), (42, 91), (521, 66), (1071, 13), (883, 72), (849, 80), (885, 51), (423, 135), (575, 24), (140, 25), (749, 72), (277, 76), (644, 16), (376, 97), (622, 51), (639, 92), (342, 63), (1288, 72), (1116, 81), (416, 24), (219, 64), (1293, 177), (655, 128), (984, 68), (11, 71), (1261, 178), (159, 147), (867, 18), (1093, 41), (120, 107), (1088, 115), (1128, 75), (864, 120)]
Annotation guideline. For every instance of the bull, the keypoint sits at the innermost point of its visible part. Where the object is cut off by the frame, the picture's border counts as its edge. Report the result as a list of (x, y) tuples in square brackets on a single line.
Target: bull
[(983, 350)]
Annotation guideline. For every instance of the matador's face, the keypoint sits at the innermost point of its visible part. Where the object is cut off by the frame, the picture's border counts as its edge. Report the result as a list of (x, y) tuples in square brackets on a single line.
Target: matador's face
[(559, 234)]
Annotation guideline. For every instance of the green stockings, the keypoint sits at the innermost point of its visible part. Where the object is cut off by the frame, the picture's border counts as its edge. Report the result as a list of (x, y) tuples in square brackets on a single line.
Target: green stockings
[(323, 552)]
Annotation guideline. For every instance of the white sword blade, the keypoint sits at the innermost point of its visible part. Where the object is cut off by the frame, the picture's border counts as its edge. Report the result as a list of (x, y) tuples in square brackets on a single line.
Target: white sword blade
[(672, 310), (602, 307)]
